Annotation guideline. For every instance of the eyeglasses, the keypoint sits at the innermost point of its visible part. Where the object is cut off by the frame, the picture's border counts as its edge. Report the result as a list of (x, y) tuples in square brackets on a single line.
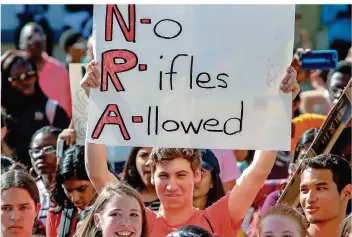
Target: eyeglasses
[(36, 152), (23, 77)]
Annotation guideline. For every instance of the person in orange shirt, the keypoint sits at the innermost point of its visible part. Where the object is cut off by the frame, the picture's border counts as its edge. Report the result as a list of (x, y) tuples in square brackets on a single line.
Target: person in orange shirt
[(176, 171)]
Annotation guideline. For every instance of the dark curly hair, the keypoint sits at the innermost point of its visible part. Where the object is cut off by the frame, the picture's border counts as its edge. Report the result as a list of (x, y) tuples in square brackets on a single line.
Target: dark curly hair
[(340, 168), (50, 130)]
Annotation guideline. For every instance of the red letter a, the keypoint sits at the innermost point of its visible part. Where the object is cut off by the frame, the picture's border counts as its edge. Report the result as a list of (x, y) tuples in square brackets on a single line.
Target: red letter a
[(107, 119), (129, 34)]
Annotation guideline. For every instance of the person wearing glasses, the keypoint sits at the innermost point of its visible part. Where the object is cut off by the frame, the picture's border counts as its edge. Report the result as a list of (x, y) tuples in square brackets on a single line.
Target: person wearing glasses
[(25, 106), (44, 164)]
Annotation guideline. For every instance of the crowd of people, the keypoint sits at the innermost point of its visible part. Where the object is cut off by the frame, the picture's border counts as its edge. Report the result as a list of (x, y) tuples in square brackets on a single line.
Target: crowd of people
[(162, 192)]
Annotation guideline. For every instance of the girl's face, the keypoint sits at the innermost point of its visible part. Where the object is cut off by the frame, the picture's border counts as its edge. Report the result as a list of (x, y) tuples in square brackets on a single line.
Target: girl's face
[(144, 170), (202, 188), (18, 212), (23, 77), (122, 216), (279, 226), (80, 192)]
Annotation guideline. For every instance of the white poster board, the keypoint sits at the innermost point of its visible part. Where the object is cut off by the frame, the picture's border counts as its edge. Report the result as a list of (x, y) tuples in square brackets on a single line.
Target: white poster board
[(79, 101), (192, 76)]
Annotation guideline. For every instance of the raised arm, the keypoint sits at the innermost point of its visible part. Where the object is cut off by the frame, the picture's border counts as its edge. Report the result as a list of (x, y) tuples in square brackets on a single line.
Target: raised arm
[(96, 166), (95, 154), (248, 185)]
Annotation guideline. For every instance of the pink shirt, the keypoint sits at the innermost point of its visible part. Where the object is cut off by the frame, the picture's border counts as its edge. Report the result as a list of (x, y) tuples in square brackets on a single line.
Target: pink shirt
[(215, 219), (55, 83), (228, 165)]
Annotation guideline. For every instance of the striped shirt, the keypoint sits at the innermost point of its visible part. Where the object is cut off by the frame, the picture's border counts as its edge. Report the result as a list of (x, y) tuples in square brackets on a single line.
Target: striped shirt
[(44, 201), (153, 205)]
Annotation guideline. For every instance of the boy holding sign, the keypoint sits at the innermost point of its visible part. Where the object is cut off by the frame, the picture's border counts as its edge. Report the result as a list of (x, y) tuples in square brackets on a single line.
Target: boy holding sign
[(174, 173)]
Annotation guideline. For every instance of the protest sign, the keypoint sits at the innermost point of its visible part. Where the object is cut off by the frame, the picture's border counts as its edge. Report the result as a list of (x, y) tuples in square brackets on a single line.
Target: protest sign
[(199, 76), (79, 101)]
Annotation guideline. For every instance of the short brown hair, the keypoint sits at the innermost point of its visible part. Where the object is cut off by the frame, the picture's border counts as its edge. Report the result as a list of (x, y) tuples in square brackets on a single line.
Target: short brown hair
[(160, 155), (284, 210), (89, 229)]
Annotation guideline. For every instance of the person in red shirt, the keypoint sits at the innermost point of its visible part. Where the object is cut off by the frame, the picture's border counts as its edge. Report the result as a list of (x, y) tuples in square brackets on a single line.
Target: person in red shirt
[(73, 192), (53, 76), (176, 171)]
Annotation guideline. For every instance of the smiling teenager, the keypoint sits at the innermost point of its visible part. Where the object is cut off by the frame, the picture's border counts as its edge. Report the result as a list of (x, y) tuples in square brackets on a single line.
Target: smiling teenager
[(281, 221), (20, 204), (25, 105), (174, 173), (117, 211), (325, 191)]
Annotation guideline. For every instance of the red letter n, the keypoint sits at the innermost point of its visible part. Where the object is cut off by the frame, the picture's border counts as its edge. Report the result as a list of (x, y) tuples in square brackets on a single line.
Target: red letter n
[(130, 33), (107, 119)]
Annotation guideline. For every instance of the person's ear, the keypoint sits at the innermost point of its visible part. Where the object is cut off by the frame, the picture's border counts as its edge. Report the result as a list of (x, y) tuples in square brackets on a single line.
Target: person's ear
[(97, 220), (346, 192), (70, 50), (37, 208)]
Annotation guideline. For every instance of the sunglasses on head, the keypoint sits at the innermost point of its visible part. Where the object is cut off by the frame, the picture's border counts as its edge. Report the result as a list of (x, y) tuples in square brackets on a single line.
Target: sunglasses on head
[(22, 77)]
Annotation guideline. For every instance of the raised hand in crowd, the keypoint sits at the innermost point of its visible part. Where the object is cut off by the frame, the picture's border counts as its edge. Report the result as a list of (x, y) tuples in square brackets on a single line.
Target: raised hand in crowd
[(69, 135), (164, 174)]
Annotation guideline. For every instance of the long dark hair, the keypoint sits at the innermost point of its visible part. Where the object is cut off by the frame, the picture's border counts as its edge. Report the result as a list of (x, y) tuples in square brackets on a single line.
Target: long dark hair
[(130, 173), (14, 99), (217, 191), (71, 165)]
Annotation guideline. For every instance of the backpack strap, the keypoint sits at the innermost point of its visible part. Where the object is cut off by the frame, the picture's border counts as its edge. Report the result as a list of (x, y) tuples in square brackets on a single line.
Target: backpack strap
[(50, 110), (66, 222)]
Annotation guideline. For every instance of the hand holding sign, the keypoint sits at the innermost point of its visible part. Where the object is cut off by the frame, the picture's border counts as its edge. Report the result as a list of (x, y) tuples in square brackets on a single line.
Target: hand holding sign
[(91, 78), (173, 76), (289, 83)]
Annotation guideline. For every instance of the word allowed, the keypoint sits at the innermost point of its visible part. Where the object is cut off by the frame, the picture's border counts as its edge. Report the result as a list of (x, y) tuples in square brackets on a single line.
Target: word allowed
[(112, 116)]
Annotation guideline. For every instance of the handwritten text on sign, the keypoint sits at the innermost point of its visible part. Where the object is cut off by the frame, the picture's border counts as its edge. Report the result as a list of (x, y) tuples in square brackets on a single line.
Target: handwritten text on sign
[(200, 76)]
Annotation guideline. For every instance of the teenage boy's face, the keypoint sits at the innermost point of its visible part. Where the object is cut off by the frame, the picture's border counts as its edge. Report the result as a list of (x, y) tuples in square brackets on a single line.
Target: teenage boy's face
[(319, 196), (174, 182)]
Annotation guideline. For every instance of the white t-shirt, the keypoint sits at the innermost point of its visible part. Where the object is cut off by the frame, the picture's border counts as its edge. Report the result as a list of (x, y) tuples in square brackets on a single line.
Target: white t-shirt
[(228, 165)]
